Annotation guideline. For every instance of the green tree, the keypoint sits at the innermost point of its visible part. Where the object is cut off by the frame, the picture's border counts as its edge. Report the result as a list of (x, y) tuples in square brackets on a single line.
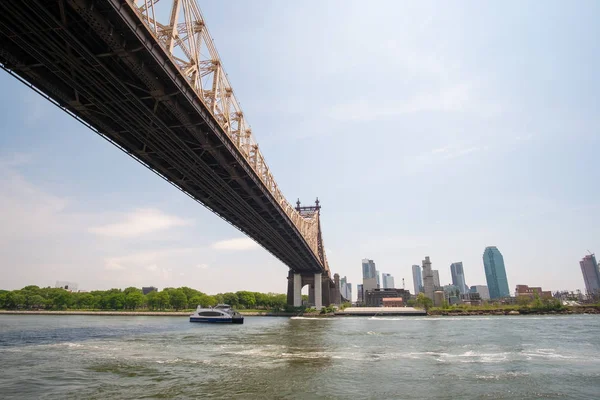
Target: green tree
[(116, 301), (231, 298), (152, 300), (3, 298), (163, 300), (178, 299), (36, 301), (134, 299), (14, 300), (61, 299), (247, 299), (131, 289), (423, 301)]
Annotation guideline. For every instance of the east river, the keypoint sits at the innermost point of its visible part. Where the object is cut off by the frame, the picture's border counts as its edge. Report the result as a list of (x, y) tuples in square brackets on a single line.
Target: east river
[(125, 357)]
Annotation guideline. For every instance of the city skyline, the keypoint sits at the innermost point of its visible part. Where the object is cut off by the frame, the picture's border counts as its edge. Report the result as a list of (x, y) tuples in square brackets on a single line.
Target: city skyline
[(477, 140)]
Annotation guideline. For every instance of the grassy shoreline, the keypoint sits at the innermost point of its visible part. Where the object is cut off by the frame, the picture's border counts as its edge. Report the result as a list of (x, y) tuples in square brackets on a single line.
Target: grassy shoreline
[(263, 313)]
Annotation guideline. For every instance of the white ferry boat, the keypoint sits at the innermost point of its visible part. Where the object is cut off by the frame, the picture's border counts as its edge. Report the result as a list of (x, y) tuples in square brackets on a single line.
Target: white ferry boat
[(221, 313)]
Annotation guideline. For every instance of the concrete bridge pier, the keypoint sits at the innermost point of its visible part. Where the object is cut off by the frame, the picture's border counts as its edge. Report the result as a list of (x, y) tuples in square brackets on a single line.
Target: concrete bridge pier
[(321, 291)]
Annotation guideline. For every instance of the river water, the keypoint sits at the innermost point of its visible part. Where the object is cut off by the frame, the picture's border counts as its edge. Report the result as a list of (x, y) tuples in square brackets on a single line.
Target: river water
[(114, 357)]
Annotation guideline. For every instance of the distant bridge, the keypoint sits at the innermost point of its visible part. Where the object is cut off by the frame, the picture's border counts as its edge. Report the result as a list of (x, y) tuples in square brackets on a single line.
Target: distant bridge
[(146, 76)]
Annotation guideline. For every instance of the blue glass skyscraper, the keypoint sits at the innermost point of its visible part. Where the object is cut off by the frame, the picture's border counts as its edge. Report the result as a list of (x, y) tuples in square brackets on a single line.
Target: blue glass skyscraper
[(495, 273)]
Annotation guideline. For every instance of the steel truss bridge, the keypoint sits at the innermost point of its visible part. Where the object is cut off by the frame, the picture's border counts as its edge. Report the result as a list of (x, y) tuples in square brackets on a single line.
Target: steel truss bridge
[(147, 77)]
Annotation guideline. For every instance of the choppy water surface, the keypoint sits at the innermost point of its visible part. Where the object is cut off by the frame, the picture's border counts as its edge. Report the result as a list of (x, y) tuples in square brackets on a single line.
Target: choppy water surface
[(100, 357)]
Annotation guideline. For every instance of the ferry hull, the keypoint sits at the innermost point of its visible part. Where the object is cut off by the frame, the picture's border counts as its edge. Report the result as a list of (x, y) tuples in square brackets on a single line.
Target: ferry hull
[(218, 320)]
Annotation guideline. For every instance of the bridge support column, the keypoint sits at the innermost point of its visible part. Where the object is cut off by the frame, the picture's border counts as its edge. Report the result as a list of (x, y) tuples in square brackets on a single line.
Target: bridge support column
[(318, 291), (297, 290), (311, 294)]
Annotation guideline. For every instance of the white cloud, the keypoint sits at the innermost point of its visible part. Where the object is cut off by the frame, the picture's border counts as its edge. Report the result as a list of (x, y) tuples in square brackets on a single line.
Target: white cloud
[(140, 222), (238, 244)]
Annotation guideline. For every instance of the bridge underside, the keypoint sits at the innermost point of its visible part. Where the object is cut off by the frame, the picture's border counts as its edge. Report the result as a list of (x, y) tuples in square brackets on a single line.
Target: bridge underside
[(97, 61)]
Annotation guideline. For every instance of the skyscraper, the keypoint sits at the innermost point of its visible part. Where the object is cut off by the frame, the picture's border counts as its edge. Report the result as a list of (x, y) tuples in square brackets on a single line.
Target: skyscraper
[(370, 275), (417, 279), (345, 288), (359, 294), (428, 278), (495, 273), (388, 281), (458, 277), (349, 292), (591, 274), (377, 275), (436, 279), (368, 268)]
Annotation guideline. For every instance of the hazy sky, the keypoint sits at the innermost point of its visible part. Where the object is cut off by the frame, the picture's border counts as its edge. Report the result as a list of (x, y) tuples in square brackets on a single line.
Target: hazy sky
[(425, 128)]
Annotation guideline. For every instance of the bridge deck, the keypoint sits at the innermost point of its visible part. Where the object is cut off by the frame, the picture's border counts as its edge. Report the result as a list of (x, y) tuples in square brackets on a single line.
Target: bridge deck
[(96, 60)]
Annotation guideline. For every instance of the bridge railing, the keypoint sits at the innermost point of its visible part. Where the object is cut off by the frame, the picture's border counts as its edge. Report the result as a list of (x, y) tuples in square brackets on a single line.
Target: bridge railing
[(186, 39)]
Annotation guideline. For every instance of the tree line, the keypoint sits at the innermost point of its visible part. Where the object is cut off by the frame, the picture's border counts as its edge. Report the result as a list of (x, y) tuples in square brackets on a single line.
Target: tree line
[(132, 298)]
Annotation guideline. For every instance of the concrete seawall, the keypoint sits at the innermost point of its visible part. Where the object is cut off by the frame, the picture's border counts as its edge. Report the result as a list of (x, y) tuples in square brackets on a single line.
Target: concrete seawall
[(381, 311)]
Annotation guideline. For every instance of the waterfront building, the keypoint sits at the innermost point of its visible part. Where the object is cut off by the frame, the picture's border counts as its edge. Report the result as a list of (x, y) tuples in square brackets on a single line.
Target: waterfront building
[(374, 298), (438, 298), (436, 279), (428, 285), (393, 302), (482, 290), (359, 294), (148, 289), (524, 290), (388, 281), (458, 276), (495, 273), (417, 279), (377, 276), (591, 274)]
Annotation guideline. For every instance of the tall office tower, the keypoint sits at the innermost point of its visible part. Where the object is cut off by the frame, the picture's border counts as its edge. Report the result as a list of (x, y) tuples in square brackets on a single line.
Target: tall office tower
[(359, 294), (370, 276), (344, 287), (591, 274), (428, 286), (417, 279), (368, 268), (349, 291), (458, 277), (377, 275), (388, 281), (495, 273), (436, 279)]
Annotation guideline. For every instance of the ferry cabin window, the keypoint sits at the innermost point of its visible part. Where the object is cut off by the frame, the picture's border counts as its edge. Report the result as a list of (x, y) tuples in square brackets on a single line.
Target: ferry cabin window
[(209, 314)]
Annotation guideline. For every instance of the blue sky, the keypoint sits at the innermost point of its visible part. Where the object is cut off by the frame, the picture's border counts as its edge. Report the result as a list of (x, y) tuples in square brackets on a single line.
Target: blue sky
[(425, 128)]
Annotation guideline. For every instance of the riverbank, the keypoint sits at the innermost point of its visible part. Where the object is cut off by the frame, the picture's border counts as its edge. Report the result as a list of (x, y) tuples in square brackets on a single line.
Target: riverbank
[(136, 313), (521, 311), (367, 312)]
